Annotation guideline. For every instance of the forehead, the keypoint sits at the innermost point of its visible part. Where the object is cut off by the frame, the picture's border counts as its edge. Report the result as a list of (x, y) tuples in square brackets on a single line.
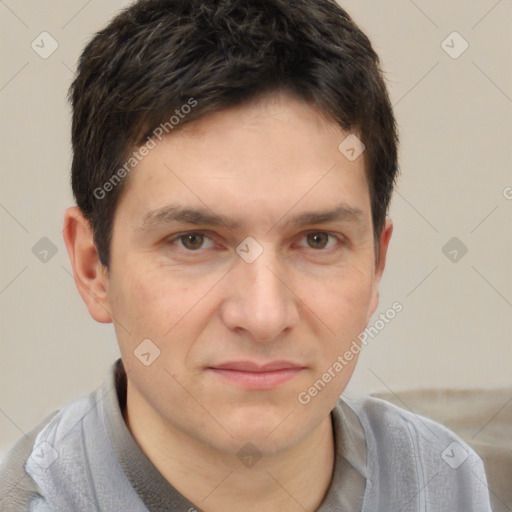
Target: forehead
[(264, 158)]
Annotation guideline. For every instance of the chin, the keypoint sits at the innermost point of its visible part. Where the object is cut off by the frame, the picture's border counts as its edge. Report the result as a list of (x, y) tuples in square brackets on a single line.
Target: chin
[(271, 431)]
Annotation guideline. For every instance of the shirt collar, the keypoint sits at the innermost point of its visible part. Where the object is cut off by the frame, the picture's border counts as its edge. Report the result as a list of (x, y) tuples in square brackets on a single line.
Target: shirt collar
[(345, 492)]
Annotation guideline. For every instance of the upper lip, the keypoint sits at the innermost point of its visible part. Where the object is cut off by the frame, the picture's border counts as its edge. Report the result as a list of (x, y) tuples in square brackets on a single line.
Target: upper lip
[(250, 366)]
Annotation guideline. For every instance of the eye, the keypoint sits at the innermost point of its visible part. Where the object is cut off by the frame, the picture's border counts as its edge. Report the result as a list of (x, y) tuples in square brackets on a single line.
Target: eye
[(192, 241), (319, 240)]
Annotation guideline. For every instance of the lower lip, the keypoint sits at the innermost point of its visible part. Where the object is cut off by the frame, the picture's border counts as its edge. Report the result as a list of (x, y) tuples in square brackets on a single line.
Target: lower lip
[(258, 380)]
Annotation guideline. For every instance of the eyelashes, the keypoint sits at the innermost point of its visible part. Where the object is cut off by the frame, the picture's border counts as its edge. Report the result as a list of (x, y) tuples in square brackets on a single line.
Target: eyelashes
[(198, 241)]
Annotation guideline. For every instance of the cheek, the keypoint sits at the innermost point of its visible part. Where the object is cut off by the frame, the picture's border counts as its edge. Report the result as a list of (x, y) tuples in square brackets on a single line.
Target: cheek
[(142, 301), (344, 307), (346, 297), (161, 303)]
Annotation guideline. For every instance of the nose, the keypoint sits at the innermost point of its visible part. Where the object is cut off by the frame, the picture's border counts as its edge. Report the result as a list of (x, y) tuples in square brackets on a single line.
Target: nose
[(260, 300)]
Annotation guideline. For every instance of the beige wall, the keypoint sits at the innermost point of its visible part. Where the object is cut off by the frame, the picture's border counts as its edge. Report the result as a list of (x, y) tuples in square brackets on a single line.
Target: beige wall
[(455, 121)]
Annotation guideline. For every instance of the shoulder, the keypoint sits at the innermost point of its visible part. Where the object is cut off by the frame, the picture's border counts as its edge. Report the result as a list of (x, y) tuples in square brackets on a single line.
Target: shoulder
[(411, 457), (17, 488), (33, 454)]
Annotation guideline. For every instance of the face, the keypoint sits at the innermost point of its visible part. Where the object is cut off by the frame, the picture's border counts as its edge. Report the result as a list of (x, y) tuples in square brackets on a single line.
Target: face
[(243, 250)]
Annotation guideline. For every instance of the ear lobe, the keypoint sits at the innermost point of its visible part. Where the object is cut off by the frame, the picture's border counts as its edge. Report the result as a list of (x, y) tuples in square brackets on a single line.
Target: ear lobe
[(90, 275)]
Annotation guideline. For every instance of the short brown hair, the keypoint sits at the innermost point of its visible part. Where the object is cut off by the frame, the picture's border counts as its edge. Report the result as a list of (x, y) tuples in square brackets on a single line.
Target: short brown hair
[(157, 55)]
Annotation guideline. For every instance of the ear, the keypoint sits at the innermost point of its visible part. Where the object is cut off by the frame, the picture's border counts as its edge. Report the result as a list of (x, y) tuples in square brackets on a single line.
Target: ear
[(385, 236), (90, 275)]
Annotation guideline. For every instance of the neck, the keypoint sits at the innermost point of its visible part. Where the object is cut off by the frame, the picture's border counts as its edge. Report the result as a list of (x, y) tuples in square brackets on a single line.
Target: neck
[(292, 480)]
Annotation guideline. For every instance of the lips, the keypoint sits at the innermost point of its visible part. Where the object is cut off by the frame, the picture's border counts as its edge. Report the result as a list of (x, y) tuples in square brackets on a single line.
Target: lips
[(250, 375), (249, 366)]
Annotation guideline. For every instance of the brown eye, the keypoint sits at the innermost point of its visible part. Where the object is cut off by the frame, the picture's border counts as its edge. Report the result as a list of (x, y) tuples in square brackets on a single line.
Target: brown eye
[(192, 241), (318, 240)]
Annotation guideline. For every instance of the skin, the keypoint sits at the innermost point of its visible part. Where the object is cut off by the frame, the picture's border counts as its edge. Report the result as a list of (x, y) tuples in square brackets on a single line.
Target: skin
[(304, 299)]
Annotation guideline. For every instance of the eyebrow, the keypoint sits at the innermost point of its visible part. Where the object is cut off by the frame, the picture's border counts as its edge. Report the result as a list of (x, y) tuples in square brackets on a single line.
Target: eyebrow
[(206, 217)]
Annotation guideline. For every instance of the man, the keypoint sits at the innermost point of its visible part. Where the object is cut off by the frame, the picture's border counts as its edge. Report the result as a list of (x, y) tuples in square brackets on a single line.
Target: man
[(233, 166)]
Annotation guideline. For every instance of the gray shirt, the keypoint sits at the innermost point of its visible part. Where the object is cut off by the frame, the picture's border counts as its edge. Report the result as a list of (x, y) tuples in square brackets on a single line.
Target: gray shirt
[(84, 458)]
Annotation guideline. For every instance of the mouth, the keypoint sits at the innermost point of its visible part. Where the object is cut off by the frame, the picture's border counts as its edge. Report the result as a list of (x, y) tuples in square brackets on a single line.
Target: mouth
[(250, 375)]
